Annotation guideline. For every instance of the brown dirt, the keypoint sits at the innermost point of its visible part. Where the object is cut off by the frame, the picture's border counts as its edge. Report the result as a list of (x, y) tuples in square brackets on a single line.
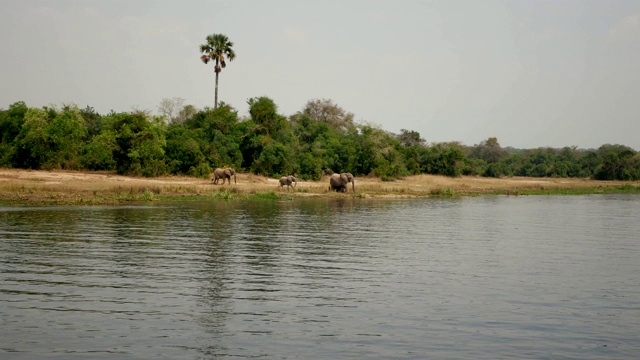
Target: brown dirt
[(17, 185)]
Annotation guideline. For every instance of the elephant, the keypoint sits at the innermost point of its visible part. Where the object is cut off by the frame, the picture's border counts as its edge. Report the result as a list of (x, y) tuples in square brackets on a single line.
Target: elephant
[(224, 174), (338, 182), (288, 180)]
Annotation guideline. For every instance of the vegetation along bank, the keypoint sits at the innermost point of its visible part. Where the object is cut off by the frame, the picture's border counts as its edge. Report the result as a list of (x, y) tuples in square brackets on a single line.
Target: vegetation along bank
[(319, 140)]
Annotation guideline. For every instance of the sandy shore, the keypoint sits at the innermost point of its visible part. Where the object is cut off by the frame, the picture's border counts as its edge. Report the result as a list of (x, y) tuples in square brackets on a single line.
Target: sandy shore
[(25, 186)]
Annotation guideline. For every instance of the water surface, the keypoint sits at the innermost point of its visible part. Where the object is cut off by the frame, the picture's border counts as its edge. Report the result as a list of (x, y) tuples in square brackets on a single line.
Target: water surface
[(471, 278)]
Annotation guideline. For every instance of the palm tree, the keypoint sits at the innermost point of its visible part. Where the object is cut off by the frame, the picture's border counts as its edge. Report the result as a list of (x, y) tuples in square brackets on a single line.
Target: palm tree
[(216, 49)]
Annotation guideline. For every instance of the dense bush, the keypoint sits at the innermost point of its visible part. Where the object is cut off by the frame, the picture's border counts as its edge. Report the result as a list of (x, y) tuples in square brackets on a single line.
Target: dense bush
[(320, 139)]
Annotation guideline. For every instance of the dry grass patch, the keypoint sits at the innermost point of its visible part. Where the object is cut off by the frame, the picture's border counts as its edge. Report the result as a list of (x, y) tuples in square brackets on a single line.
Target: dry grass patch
[(75, 187)]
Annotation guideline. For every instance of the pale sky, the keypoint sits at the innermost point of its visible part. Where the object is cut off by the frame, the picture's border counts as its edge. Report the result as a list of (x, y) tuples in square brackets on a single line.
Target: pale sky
[(531, 73)]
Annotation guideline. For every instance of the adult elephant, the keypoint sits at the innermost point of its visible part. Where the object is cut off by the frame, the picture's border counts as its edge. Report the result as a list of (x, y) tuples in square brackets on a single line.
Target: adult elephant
[(338, 182), (287, 181), (224, 174)]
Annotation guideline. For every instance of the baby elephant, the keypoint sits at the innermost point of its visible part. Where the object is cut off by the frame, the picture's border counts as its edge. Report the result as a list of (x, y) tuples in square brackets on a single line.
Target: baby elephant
[(288, 180)]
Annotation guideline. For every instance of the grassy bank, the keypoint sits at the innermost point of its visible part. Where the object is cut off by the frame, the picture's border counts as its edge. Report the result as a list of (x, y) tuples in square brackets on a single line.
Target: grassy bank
[(95, 188)]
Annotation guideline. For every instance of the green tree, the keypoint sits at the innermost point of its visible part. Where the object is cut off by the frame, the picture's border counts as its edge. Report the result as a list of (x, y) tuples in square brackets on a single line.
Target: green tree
[(276, 159), (140, 143), (489, 150), (413, 149), (223, 119), (413, 156), (219, 136), (589, 163), (11, 121), (217, 49), (264, 113), (184, 152), (619, 162), (93, 121), (269, 146), (377, 153), (342, 152), (444, 159), (51, 139), (32, 142), (67, 132), (314, 138), (98, 153)]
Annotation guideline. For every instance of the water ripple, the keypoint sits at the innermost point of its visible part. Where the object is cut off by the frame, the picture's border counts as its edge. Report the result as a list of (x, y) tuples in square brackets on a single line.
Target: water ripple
[(472, 278)]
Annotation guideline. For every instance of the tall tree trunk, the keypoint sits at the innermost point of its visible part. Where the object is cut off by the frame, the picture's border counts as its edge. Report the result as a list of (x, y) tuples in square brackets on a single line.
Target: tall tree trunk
[(215, 106)]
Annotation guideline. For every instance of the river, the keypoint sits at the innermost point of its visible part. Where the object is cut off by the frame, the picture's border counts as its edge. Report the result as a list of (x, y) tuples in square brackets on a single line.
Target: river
[(491, 277)]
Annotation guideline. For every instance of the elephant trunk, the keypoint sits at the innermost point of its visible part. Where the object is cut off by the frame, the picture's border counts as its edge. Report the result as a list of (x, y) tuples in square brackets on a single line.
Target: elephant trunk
[(234, 179), (353, 185)]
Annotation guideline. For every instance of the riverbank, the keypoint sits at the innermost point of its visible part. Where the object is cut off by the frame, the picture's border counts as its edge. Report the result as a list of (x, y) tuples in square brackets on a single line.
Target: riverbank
[(19, 186)]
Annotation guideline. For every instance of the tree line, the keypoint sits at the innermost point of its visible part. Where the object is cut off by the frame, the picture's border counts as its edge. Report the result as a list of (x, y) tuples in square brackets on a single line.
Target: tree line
[(320, 139)]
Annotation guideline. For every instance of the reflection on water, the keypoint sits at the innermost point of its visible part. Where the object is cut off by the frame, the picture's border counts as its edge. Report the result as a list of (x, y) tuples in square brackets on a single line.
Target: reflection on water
[(471, 278)]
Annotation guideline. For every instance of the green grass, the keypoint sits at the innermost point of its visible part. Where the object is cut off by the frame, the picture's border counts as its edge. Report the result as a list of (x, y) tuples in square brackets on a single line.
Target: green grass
[(123, 195), (147, 195), (623, 189), (270, 195), (226, 194)]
